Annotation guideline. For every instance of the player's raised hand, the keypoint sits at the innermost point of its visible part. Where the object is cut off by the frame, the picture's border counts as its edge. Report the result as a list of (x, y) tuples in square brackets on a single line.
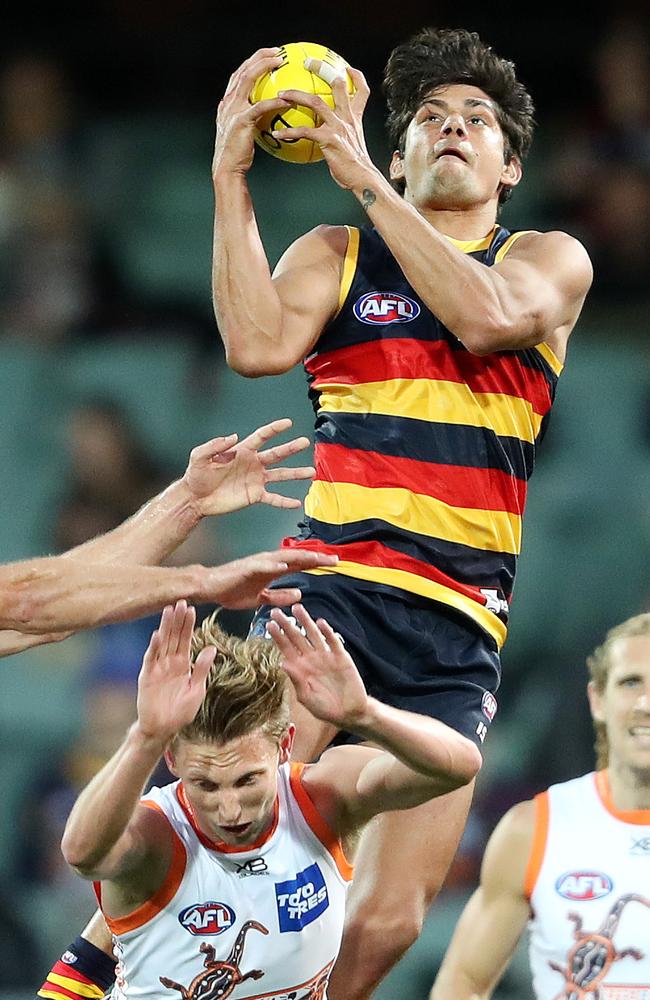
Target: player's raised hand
[(236, 117), (340, 136), (244, 583), (226, 474), (323, 673), (170, 687)]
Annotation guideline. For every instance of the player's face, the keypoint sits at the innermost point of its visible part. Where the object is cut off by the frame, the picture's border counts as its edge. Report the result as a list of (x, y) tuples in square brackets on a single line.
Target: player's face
[(454, 151), (231, 787), (624, 705)]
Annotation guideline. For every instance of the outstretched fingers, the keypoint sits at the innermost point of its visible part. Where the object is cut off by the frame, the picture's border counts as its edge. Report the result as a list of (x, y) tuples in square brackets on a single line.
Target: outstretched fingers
[(202, 666), (262, 434)]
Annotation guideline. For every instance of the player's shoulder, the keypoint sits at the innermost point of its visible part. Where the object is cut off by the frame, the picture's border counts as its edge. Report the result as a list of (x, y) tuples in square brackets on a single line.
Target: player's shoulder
[(322, 246), (509, 848), (554, 246), (332, 238), (517, 825)]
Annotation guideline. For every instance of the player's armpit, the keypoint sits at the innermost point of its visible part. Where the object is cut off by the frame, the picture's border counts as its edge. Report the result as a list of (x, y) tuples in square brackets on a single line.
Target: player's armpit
[(491, 924)]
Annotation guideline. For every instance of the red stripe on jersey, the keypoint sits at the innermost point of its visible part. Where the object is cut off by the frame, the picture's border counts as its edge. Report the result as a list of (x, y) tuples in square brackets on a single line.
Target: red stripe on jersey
[(395, 358), (61, 990), (456, 485), (376, 554), (63, 969)]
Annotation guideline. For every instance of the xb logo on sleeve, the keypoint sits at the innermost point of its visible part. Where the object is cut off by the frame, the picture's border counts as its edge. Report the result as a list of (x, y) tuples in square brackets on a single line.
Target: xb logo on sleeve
[(301, 900)]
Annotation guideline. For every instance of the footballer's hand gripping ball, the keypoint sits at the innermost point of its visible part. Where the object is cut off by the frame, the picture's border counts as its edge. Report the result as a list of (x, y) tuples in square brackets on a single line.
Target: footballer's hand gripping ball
[(293, 74)]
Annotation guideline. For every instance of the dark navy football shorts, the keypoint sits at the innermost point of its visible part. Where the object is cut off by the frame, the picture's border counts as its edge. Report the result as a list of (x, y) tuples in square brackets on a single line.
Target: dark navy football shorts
[(411, 652)]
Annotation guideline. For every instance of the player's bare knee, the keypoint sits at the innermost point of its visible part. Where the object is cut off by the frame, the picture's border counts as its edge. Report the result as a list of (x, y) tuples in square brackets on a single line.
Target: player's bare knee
[(468, 761)]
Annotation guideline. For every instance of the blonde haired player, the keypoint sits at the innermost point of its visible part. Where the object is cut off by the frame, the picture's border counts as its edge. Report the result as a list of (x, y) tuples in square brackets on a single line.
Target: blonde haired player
[(574, 863), (234, 877)]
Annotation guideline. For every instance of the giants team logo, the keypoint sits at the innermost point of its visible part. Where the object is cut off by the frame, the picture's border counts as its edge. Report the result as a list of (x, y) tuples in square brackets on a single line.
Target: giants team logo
[(378, 308), (301, 900), (584, 886), (202, 919)]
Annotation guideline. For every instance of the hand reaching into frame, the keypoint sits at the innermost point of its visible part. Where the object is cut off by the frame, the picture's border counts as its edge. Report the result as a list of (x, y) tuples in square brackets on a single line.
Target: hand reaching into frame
[(171, 687), (225, 474), (323, 674), (244, 583)]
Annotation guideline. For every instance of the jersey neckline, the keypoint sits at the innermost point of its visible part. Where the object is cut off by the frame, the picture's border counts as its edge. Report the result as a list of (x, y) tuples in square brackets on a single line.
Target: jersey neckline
[(638, 817)]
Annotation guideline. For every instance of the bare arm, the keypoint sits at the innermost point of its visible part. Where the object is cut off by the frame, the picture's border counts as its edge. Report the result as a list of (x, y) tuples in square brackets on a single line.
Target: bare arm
[(57, 594), (108, 835), (534, 295), (222, 475), (421, 757), (495, 917), (267, 323)]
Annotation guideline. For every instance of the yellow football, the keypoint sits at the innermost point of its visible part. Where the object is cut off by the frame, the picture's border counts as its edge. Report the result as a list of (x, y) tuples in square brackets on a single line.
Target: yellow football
[(293, 75)]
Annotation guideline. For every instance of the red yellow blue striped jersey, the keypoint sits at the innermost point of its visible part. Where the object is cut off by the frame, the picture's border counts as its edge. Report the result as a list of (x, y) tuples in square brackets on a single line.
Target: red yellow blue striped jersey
[(422, 449)]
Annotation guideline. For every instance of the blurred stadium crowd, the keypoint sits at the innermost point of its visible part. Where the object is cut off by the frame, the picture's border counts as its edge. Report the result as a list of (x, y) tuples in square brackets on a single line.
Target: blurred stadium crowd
[(111, 369)]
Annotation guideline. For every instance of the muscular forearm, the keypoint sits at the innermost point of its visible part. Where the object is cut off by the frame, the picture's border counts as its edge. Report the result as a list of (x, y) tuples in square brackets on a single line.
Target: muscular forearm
[(426, 746), (150, 535), (471, 300), (246, 304), (59, 594), (102, 812)]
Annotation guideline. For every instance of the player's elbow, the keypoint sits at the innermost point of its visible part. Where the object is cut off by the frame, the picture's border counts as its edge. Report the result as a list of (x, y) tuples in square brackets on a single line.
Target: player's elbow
[(257, 365), (78, 855), (494, 332)]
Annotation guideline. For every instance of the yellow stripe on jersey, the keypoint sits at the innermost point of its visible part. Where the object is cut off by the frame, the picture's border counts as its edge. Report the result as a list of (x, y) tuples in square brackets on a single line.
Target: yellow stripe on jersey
[(425, 588), (349, 265), (551, 358), (81, 989), (343, 503), (436, 402), (473, 246)]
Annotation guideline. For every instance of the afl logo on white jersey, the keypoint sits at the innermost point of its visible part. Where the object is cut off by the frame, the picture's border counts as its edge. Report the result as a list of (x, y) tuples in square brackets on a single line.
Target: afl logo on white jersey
[(584, 885), (206, 918), (379, 308)]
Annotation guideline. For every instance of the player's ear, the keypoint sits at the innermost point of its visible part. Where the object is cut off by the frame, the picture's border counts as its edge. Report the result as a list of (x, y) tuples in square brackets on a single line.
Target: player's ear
[(170, 760), (396, 168), (511, 173), (595, 702), (286, 744)]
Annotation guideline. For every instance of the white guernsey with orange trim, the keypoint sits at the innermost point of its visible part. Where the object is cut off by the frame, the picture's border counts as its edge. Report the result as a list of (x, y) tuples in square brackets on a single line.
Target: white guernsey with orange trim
[(588, 882), (260, 922)]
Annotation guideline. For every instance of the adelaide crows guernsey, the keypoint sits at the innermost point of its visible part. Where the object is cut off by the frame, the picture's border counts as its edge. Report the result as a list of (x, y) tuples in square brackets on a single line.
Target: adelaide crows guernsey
[(422, 449), (588, 882), (259, 922)]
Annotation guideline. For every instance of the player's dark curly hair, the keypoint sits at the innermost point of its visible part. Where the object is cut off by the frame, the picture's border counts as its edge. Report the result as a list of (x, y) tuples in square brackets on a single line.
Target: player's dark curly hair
[(436, 57)]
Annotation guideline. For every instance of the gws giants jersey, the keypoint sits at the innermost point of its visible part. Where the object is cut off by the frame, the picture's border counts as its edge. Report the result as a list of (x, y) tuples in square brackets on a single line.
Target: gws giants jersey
[(422, 449), (588, 882), (264, 922)]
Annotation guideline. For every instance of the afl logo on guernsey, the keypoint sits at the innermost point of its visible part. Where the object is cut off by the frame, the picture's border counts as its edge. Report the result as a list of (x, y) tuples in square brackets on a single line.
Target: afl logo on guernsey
[(206, 918), (583, 886), (379, 308), (489, 705)]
